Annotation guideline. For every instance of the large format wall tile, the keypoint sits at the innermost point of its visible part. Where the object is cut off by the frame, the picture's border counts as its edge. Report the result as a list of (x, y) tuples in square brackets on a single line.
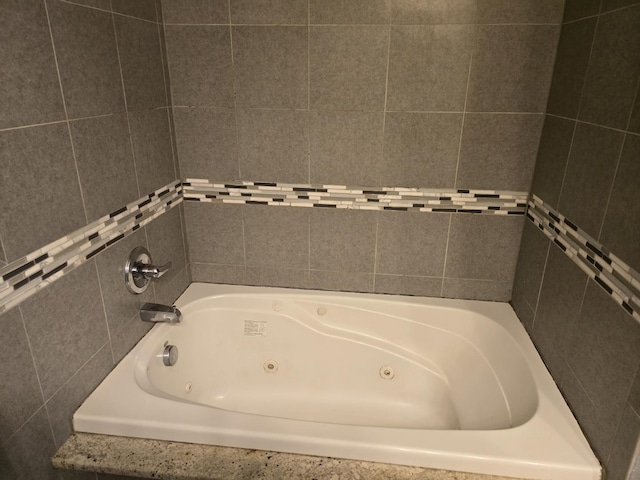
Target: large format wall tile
[(64, 334), (207, 143), (196, 11), (271, 67), (614, 69), (29, 86), (511, 68), (345, 147), (144, 9), (576, 9), (358, 12), (81, 35), (269, 12), (421, 149), (273, 145), (348, 67), (498, 151), (429, 67), (434, 12), (141, 61), (506, 11), (199, 59), (592, 163), (50, 200), (103, 150), (20, 396)]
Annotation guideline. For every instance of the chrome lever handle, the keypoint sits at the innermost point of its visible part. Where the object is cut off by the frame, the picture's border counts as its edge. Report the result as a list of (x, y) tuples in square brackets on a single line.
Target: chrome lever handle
[(151, 271)]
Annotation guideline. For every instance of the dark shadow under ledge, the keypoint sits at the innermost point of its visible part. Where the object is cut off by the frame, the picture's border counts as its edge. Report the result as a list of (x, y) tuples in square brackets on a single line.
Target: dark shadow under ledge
[(138, 457)]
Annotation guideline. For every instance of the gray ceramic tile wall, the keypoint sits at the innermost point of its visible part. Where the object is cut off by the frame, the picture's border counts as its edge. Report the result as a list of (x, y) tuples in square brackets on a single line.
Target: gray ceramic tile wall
[(585, 170), (58, 175), (366, 93)]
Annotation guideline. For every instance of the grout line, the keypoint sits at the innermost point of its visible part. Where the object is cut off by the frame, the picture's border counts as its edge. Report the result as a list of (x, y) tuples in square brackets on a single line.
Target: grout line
[(384, 115), (235, 93), (335, 25), (464, 113), (66, 113), (580, 19), (33, 358), (308, 116), (375, 252), (592, 124), (31, 126), (104, 310), (629, 405), (446, 254), (544, 272), (126, 105), (613, 184), (90, 7)]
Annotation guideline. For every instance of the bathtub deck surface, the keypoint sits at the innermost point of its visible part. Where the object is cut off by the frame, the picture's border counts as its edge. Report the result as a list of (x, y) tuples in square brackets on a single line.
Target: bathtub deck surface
[(163, 460)]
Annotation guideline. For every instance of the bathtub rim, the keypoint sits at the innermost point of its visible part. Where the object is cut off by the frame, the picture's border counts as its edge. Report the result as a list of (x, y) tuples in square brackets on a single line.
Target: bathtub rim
[(520, 454)]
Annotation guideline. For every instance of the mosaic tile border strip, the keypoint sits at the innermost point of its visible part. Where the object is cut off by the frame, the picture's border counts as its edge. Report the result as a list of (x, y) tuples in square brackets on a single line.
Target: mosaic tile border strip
[(615, 277), (357, 198), (24, 277)]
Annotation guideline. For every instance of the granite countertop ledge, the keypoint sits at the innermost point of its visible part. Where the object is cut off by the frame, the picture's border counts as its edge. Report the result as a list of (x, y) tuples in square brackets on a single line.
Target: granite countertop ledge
[(139, 457)]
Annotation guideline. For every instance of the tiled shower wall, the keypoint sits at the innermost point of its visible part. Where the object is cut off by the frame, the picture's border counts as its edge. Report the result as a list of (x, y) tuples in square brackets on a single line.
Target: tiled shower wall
[(84, 129), (588, 169), (362, 93)]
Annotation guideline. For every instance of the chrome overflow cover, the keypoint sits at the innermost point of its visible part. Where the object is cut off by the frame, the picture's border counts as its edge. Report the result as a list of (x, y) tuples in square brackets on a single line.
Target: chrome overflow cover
[(170, 355), (387, 372)]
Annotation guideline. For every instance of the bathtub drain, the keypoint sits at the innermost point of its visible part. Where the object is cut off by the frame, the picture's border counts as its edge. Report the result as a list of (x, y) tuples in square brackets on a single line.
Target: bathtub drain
[(387, 372), (270, 366)]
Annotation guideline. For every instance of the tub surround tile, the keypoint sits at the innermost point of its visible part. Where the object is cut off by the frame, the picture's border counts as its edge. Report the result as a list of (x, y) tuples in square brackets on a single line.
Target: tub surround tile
[(80, 36), (576, 9), (511, 68), (572, 60), (152, 148), (53, 323), (360, 12), (634, 396), (408, 285), (506, 11), (144, 9), (27, 453), (62, 405), (625, 448), (498, 151), (341, 281), (276, 237), (557, 310), (634, 120), (211, 273), (169, 291), (20, 396), (429, 67), (200, 65), (141, 61), (523, 309), (207, 142), (103, 150), (592, 163), (277, 277), (195, 11), (421, 149), (619, 230), (531, 264), (273, 12), (608, 98), (271, 67), (472, 289), (345, 147), (552, 157), (273, 144), (166, 243), (343, 240), (142, 457), (227, 245), (434, 12), (29, 90), (483, 248), (411, 244), (348, 67), (51, 200)]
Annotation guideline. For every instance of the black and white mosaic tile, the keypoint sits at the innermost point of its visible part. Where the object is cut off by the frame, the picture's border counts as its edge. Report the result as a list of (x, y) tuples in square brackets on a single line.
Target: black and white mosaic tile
[(357, 198), (24, 277), (617, 278)]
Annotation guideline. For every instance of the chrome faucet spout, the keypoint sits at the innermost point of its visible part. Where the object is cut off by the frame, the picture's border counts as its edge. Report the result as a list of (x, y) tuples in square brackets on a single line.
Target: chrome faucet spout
[(157, 313)]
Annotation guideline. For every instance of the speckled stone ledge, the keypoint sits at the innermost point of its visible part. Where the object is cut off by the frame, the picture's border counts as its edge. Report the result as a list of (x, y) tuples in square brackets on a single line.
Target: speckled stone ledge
[(137, 457)]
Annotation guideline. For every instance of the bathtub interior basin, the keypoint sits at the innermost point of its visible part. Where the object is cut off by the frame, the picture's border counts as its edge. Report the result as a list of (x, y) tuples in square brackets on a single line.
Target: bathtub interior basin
[(428, 382)]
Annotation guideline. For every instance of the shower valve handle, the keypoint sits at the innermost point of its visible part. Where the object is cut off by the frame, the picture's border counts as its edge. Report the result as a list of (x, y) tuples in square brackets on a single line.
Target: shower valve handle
[(151, 271)]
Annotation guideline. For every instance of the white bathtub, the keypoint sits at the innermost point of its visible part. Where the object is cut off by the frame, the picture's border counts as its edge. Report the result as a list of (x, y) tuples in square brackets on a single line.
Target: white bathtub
[(437, 383)]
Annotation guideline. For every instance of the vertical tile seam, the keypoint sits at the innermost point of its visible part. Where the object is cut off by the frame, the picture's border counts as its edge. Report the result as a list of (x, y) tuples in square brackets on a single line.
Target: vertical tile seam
[(628, 404), (124, 95), (308, 119), (104, 309), (235, 93), (66, 113)]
